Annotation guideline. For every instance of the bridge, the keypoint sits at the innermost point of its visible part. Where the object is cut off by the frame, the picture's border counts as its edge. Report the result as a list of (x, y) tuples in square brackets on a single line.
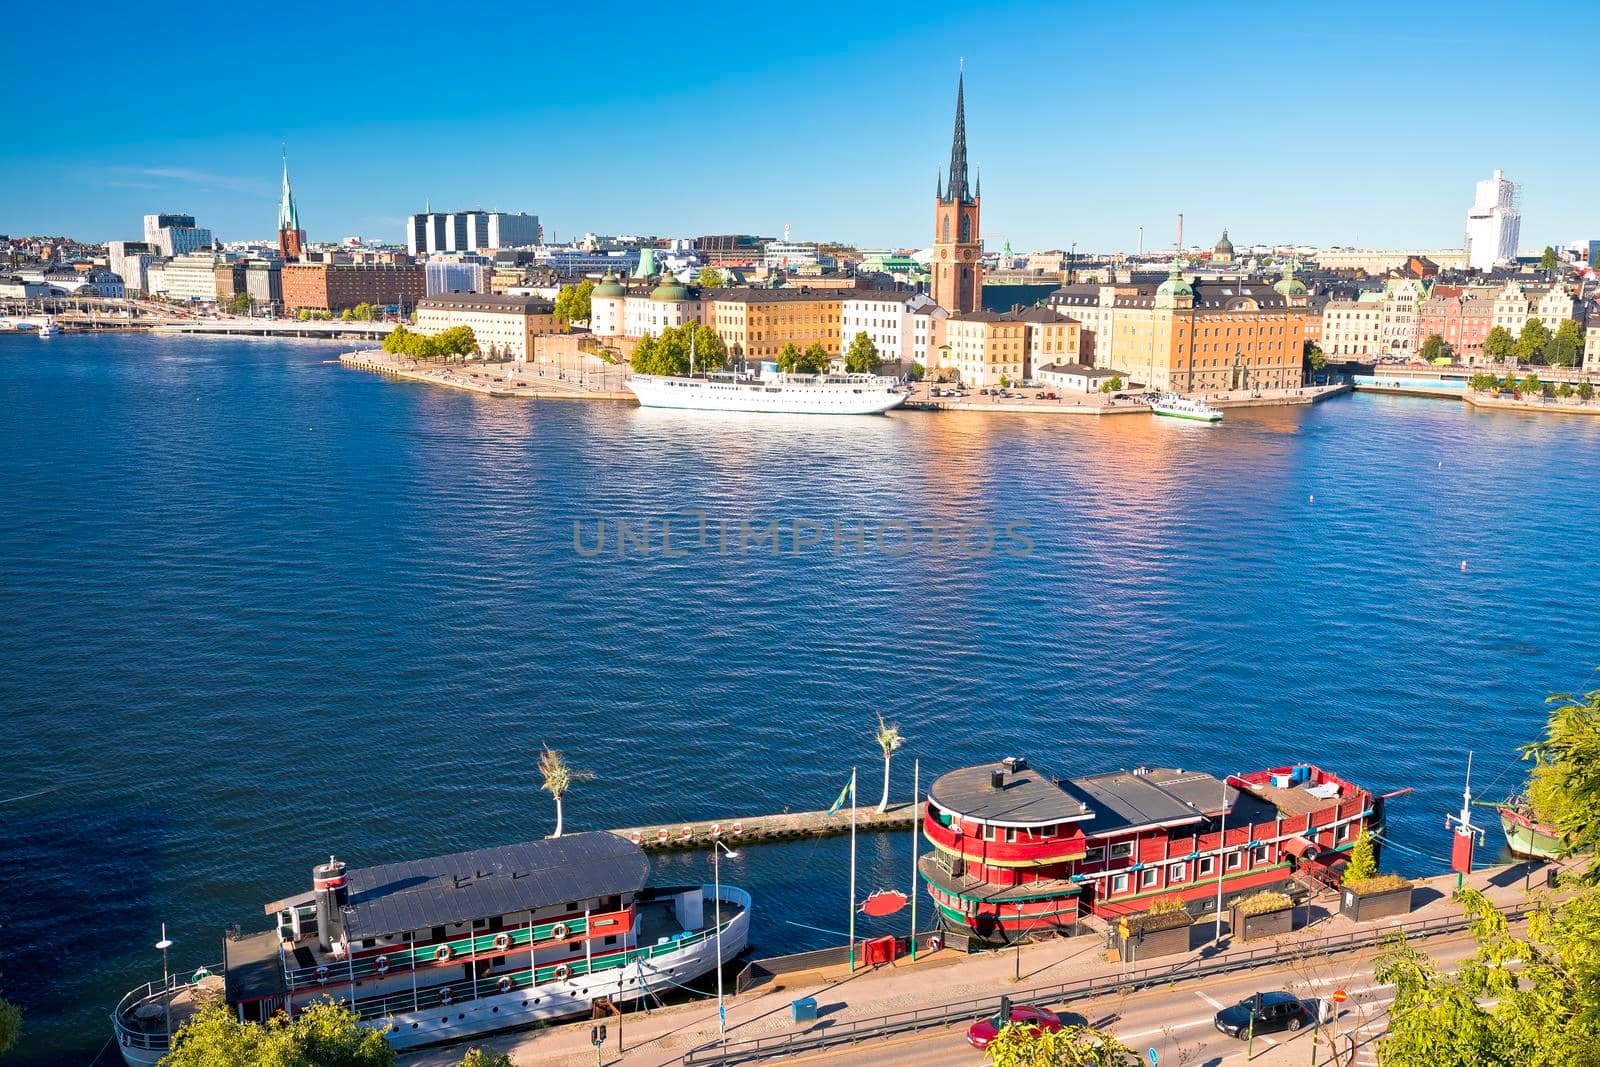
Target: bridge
[(274, 327)]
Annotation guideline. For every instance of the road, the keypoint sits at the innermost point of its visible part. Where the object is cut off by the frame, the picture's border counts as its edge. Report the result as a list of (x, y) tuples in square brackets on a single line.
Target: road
[(1177, 1022)]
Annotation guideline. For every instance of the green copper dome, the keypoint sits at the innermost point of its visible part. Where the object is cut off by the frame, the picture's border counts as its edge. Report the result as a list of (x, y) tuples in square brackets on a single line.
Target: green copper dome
[(1289, 285), (1175, 285), (670, 289), (609, 286)]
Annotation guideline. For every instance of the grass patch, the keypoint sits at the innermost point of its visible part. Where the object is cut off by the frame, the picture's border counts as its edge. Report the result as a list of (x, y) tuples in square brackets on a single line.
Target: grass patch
[(1263, 902)]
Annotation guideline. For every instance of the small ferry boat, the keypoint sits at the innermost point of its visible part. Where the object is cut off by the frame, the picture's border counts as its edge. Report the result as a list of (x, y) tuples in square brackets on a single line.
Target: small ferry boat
[(48, 328), (456, 946), (1174, 406), (1525, 836), (798, 394)]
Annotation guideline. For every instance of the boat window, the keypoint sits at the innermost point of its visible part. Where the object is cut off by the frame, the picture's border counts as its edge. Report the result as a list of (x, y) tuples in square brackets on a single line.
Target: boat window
[(1097, 854), (1121, 850), (1148, 877), (1119, 884)]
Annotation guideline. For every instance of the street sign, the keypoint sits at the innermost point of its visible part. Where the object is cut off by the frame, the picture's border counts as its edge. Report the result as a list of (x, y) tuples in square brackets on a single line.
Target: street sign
[(597, 1035), (1340, 996)]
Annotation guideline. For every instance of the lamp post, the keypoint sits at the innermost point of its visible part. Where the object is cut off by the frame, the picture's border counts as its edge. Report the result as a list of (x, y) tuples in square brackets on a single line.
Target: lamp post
[(717, 848), (166, 978), (1222, 855)]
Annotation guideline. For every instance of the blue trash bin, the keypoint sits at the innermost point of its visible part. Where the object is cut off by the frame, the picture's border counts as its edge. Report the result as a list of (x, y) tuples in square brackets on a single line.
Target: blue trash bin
[(804, 1010)]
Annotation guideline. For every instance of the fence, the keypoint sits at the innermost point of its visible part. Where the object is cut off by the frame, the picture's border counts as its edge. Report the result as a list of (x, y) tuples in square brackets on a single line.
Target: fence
[(961, 1011)]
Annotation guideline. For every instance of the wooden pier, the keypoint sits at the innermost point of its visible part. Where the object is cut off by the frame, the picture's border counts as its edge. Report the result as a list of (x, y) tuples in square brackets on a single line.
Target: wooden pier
[(769, 829)]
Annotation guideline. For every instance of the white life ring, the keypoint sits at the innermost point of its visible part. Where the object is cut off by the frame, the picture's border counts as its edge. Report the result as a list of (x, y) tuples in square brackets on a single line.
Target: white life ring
[(200, 973), (738, 828), (687, 832), (442, 954), (935, 943), (383, 964), (504, 983), (502, 941), (636, 837), (322, 972), (445, 997), (558, 931), (716, 829), (562, 972), (662, 834)]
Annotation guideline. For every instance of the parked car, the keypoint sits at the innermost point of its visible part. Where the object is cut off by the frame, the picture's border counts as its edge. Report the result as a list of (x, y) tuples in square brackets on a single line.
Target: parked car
[(1047, 396), (1270, 1012), (1038, 1020)]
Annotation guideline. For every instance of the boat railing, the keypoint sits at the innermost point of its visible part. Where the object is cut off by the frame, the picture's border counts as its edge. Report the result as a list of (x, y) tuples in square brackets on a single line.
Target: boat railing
[(133, 1037)]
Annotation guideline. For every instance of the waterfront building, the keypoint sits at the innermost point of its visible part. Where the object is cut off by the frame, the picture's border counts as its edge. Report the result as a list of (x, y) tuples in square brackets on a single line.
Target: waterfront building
[(175, 235), (900, 323), (129, 260), (1517, 302), (1222, 254), (457, 274), (1591, 348), (666, 304), (1461, 315), (1019, 852), (291, 238), (1493, 223), (336, 286), (263, 280), (1052, 337), (982, 347), (1073, 377), (957, 245), (469, 231), (191, 277), (1350, 328), (1397, 316), (755, 324), (503, 325)]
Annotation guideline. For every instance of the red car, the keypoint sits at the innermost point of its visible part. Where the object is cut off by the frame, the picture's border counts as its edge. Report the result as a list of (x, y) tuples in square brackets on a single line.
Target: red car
[(980, 1033)]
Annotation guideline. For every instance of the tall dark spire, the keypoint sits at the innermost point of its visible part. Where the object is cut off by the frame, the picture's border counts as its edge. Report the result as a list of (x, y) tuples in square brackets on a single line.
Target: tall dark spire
[(957, 189)]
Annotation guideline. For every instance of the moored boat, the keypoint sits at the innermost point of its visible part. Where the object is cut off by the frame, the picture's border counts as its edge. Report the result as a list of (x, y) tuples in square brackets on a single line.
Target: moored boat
[(456, 946), (1526, 836), (1174, 406), (795, 394)]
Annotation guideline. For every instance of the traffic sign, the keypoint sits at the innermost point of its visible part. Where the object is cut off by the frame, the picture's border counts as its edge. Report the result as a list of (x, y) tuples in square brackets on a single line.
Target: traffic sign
[(1340, 996)]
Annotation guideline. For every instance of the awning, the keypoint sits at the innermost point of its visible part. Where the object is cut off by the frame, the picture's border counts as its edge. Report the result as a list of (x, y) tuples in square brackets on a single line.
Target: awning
[(1299, 846)]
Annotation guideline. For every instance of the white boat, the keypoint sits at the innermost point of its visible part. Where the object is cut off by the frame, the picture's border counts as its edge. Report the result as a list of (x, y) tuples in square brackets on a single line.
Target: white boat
[(48, 329), (1174, 406), (808, 394), (453, 947)]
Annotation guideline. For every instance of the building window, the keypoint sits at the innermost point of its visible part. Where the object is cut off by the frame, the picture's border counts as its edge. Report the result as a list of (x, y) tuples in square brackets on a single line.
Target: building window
[(1119, 883), (1260, 856), (1235, 860), (1121, 850), (1206, 866), (1178, 872), (1097, 854), (1149, 877)]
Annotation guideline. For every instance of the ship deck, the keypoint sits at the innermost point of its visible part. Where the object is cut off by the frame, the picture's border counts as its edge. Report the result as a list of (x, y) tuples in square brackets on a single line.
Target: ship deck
[(253, 969)]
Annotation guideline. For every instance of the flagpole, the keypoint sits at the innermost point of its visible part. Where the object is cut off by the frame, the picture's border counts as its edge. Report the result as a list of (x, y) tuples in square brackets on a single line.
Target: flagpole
[(852, 870), (916, 804)]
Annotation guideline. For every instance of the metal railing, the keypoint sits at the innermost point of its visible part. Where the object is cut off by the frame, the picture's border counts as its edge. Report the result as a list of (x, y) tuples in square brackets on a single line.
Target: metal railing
[(461, 950), (131, 1037), (959, 1011)]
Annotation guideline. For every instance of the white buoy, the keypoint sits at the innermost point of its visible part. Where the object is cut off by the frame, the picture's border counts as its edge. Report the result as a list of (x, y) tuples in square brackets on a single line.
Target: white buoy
[(1463, 564), (1312, 499)]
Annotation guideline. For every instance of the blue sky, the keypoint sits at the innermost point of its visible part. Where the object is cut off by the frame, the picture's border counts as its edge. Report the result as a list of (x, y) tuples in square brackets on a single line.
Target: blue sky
[(1346, 124)]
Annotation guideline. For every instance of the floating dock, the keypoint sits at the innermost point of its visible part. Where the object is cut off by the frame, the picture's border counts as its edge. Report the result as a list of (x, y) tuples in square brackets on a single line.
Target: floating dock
[(769, 829)]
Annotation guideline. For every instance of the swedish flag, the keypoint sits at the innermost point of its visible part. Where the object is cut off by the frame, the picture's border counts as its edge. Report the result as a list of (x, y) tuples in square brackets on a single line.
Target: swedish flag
[(847, 791)]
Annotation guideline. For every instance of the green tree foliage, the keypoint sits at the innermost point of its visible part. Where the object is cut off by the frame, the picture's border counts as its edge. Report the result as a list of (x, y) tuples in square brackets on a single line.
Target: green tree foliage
[(456, 341), (1565, 783), (1549, 261), (364, 312), (1434, 348), (239, 303), (668, 353), (1022, 1045), (573, 303), (1531, 385), (1111, 385), (1565, 390), (1530, 344), (788, 357), (1316, 359), (1483, 383), (709, 278), (324, 1034), (10, 1025), (814, 359), (347, 315), (1566, 344), (1499, 344), (917, 372), (1585, 391), (1363, 861), (483, 1057), (862, 356)]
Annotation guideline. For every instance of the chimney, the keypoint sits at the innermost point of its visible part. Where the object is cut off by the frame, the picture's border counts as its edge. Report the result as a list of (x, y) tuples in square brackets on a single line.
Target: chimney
[(331, 894), (997, 779)]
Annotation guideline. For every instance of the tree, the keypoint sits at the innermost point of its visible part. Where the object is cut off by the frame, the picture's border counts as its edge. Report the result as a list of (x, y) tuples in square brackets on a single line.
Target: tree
[(669, 352), (1530, 345), (483, 1057), (1566, 345), (1023, 1045), (1315, 358), (240, 303), (1549, 261), (709, 278), (1499, 344), (322, 1034), (1531, 385), (1005, 382), (1565, 390), (1434, 348), (1594, 259), (10, 1025), (1111, 384), (889, 740), (1564, 785), (1585, 391), (862, 356), (916, 372), (1483, 383), (1363, 861), (558, 778), (788, 358), (814, 360), (347, 315), (573, 303)]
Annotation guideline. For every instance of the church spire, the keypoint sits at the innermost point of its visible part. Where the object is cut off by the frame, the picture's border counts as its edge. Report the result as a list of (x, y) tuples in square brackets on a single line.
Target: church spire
[(958, 144), (288, 214)]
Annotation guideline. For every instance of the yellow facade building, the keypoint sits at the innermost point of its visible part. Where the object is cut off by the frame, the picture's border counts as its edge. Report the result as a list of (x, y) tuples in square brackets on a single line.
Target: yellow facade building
[(755, 324), (503, 325)]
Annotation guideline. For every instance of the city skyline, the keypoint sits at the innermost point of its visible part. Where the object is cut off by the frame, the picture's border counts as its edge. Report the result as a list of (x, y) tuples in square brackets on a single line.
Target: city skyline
[(837, 128)]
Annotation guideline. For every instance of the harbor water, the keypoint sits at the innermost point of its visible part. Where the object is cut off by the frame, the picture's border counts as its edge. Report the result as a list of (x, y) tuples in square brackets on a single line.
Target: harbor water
[(256, 608)]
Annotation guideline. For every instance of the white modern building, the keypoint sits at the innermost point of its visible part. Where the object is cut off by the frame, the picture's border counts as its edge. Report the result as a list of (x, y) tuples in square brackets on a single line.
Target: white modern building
[(784, 255), (901, 323), (191, 277), (175, 235), (469, 231), (1493, 223), (469, 274)]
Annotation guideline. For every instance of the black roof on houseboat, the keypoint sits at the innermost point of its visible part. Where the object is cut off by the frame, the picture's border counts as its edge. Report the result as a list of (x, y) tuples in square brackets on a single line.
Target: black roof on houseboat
[(1027, 796), (416, 894), (1149, 796)]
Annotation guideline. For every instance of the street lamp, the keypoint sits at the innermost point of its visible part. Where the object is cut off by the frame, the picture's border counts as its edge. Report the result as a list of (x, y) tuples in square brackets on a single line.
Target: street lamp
[(716, 881), (1222, 855), (166, 978)]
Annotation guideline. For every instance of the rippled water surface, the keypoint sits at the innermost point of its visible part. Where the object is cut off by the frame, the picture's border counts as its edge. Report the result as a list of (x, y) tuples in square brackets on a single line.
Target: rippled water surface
[(256, 608)]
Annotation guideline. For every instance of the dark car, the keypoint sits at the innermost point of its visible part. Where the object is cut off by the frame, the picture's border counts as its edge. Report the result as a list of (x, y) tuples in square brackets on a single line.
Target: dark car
[(1270, 1012), (980, 1033)]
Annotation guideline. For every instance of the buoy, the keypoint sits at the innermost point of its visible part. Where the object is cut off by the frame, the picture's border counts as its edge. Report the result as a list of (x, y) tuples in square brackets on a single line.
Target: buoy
[(1463, 564), (1312, 499)]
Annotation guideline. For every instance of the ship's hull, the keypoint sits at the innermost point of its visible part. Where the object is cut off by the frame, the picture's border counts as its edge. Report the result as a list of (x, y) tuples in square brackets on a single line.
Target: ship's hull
[(1526, 838), (1192, 416), (845, 397)]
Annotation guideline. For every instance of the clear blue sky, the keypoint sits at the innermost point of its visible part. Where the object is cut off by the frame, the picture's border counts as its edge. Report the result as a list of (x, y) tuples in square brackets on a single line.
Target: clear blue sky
[(1321, 123)]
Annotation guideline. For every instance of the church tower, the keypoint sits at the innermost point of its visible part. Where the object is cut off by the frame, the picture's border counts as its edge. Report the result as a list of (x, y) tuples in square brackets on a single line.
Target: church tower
[(291, 238), (956, 246)]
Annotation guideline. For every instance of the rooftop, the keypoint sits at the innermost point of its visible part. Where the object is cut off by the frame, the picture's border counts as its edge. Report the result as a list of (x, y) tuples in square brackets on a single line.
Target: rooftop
[(1027, 797), (1149, 796), (416, 894), (524, 305)]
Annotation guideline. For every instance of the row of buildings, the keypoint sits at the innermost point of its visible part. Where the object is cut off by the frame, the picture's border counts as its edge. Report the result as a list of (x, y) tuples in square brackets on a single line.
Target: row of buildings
[(1395, 321)]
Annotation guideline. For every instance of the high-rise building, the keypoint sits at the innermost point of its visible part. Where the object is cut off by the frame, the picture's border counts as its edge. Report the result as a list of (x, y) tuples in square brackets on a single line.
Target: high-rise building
[(469, 231), (291, 238), (175, 235), (957, 247), (1493, 223)]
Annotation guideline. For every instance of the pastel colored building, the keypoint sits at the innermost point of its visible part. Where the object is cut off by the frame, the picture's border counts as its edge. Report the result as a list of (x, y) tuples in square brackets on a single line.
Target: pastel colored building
[(503, 325)]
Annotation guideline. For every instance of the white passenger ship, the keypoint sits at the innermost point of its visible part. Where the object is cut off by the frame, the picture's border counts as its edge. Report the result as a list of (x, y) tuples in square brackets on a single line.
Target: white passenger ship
[(1174, 406), (820, 394), (449, 948)]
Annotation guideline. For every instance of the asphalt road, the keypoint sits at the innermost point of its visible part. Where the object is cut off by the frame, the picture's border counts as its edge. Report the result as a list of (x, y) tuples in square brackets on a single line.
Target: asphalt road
[(1177, 1021)]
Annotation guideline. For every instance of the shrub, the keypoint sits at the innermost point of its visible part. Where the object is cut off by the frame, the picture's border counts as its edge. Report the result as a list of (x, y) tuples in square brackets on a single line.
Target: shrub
[(1378, 883), (1166, 905), (1263, 902), (1363, 860)]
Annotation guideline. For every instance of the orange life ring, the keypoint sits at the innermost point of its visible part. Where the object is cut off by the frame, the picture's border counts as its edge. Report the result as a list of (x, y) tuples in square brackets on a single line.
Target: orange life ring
[(688, 832), (562, 972), (502, 941), (504, 984), (636, 837), (558, 931), (662, 834), (716, 829), (738, 828), (442, 954), (383, 964)]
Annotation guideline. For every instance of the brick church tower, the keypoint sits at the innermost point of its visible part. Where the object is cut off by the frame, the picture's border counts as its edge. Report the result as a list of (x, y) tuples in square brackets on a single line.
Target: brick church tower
[(291, 238), (956, 245)]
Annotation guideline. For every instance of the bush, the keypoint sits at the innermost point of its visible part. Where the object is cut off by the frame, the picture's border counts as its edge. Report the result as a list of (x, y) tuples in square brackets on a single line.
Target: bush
[(1263, 902), (1166, 905), (1378, 883), (1363, 860)]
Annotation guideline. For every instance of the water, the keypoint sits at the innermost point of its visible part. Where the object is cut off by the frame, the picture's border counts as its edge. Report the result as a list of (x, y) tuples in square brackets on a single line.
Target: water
[(256, 608)]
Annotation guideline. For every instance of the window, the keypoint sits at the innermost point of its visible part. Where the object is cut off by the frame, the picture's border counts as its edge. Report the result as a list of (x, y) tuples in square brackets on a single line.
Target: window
[(1121, 850), (1206, 866), (1235, 860), (1260, 855), (988, 833), (1149, 877), (1178, 872), (1119, 883), (1011, 835)]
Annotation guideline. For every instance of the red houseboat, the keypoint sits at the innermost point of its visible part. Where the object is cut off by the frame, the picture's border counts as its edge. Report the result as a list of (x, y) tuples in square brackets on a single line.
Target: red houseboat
[(1020, 852)]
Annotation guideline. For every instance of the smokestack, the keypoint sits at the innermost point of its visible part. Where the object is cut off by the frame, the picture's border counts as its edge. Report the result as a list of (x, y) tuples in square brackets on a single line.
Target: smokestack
[(331, 893), (1180, 233), (1141, 240)]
